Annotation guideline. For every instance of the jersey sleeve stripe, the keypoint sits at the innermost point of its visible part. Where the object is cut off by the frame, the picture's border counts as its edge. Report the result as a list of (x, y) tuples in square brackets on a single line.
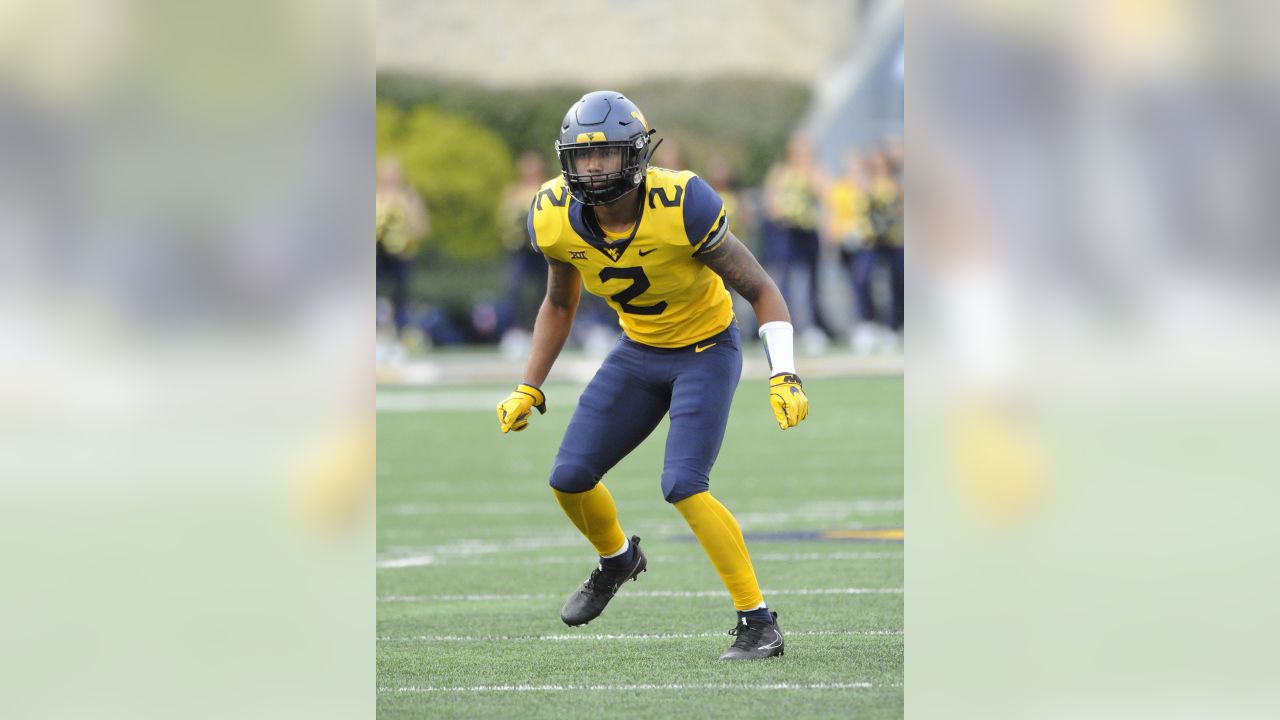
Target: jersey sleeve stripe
[(715, 237)]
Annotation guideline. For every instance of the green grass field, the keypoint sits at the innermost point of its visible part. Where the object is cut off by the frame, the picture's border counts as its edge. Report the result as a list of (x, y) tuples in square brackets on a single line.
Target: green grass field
[(475, 559)]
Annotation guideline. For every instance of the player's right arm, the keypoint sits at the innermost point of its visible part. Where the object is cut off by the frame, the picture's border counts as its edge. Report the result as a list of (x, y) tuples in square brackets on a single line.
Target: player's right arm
[(555, 318), (550, 330)]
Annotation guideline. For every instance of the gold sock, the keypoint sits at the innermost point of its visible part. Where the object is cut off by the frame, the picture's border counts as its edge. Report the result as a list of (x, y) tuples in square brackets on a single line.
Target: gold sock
[(596, 516), (721, 538)]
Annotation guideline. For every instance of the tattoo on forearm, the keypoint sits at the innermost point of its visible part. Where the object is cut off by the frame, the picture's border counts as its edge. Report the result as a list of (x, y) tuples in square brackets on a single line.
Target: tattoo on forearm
[(562, 281), (739, 268)]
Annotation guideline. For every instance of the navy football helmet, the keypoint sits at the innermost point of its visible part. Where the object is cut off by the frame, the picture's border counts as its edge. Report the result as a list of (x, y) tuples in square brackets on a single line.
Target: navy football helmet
[(604, 147)]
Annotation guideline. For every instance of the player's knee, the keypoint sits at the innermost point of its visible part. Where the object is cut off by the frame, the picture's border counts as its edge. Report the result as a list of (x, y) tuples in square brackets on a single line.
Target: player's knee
[(679, 485), (570, 478)]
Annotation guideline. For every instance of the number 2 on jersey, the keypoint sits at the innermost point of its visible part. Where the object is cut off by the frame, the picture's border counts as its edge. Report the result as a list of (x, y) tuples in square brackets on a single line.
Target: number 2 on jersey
[(639, 283)]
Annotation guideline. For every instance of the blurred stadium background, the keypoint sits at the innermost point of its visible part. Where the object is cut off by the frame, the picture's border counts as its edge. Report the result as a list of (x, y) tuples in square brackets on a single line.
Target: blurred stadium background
[(468, 109)]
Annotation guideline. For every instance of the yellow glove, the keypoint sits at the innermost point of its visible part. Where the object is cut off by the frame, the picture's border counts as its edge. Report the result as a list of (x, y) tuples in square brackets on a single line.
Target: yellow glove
[(787, 397), (513, 413)]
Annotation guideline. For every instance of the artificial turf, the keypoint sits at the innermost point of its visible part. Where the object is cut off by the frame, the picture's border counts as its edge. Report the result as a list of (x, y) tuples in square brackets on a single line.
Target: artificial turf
[(475, 559)]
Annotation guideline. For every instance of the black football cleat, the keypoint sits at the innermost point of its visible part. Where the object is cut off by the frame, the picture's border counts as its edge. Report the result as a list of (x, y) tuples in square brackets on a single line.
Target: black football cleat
[(757, 639), (587, 602)]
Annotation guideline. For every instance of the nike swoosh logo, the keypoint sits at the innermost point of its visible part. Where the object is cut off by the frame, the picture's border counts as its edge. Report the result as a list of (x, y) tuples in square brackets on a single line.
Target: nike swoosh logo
[(771, 645), (646, 252), (700, 348)]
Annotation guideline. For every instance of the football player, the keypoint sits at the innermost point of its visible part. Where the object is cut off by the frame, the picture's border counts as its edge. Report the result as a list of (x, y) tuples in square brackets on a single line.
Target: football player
[(655, 244)]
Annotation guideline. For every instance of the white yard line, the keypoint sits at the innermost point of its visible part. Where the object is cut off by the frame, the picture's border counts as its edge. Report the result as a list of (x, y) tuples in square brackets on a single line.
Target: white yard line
[(636, 593), (623, 636), (579, 559), (827, 509), (467, 508), (794, 557), (472, 548), (408, 562), (442, 401), (673, 686)]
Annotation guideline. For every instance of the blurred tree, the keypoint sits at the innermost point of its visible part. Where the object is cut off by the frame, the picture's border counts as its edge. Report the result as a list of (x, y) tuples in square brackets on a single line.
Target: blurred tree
[(458, 166), (744, 120), (389, 120)]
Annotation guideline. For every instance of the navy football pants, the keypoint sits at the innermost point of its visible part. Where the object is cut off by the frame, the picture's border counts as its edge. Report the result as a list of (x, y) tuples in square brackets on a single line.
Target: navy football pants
[(628, 396)]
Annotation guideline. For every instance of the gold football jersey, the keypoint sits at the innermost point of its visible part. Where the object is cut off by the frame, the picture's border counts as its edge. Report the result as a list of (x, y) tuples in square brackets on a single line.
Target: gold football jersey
[(664, 295)]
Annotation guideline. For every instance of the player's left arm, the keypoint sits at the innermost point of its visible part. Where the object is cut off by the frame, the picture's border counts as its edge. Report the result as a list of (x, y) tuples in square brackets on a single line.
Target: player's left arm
[(733, 262)]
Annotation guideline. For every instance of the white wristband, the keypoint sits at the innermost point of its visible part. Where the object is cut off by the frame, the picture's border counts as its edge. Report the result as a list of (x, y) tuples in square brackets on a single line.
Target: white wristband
[(778, 346)]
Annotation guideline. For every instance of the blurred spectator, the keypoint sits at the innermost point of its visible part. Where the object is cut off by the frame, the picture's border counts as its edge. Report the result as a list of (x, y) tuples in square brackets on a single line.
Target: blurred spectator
[(401, 221), (886, 227), (793, 196), (721, 177), (738, 210), (526, 269), (847, 226), (773, 239), (896, 155), (668, 154)]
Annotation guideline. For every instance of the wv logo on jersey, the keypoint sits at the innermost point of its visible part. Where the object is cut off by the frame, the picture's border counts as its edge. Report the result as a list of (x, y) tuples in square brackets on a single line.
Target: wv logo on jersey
[(577, 254)]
